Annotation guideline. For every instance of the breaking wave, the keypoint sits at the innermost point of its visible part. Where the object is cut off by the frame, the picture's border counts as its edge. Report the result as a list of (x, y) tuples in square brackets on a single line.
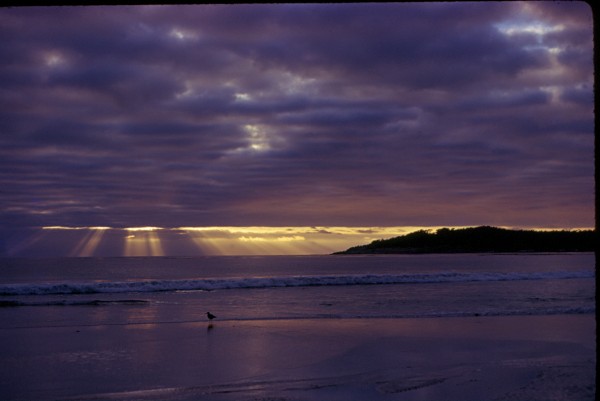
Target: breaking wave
[(208, 284)]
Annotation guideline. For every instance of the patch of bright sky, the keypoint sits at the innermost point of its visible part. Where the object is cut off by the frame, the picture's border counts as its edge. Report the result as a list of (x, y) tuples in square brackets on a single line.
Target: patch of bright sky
[(54, 59), (538, 28), (291, 83), (258, 140), (242, 97), (281, 238), (76, 228), (149, 228), (188, 92), (183, 34), (526, 22)]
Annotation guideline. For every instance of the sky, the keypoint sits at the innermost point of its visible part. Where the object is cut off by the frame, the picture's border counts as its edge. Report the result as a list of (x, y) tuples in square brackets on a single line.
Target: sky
[(290, 128)]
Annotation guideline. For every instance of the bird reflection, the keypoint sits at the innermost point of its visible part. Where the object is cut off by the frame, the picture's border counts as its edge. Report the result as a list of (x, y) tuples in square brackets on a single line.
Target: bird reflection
[(210, 317)]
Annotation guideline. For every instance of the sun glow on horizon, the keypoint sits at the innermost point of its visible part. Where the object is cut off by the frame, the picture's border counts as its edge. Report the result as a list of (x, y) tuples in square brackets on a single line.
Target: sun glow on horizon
[(143, 229), (144, 243), (216, 240)]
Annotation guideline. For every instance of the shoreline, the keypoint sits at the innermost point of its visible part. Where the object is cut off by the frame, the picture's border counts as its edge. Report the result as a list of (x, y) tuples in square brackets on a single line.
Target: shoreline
[(548, 357)]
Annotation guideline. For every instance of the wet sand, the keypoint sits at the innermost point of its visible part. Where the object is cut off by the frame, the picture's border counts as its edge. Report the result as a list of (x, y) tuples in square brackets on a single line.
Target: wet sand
[(476, 358)]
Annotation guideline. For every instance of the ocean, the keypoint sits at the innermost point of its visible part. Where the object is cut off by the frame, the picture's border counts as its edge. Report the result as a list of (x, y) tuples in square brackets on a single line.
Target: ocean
[(285, 287), (78, 294)]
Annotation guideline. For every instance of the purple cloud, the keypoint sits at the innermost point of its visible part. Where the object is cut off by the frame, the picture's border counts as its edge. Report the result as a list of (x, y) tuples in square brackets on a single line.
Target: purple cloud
[(297, 114)]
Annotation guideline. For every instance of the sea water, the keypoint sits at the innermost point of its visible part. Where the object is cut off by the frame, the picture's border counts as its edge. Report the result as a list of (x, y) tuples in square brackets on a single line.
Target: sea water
[(136, 328), (97, 291)]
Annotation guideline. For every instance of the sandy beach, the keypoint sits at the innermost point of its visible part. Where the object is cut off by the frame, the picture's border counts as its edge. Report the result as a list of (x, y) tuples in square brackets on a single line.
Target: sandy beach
[(477, 358)]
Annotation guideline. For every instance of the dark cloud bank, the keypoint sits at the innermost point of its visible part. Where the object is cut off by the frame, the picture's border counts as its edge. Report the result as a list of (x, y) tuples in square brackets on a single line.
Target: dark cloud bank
[(315, 114)]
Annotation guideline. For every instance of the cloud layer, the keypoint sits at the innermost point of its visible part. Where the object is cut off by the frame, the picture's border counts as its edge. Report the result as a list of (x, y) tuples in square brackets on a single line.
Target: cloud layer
[(422, 114)]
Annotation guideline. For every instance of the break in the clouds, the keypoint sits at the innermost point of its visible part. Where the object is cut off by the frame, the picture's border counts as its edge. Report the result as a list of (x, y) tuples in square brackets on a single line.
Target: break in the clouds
[(407, 114)]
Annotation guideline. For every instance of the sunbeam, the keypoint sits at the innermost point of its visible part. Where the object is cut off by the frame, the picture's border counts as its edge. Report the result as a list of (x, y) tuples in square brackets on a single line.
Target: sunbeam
[(89, 243), (143, 241)]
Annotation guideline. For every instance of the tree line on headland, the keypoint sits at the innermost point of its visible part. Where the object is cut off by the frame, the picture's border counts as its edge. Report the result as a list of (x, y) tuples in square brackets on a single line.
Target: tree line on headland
[(481, 239)]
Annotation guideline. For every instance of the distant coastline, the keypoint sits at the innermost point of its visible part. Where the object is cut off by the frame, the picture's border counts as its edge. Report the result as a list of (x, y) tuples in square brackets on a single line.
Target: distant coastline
[(480, 239)]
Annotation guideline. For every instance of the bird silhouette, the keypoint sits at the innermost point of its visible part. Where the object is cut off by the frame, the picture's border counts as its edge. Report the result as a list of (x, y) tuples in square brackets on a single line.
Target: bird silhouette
[(210, 316)]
